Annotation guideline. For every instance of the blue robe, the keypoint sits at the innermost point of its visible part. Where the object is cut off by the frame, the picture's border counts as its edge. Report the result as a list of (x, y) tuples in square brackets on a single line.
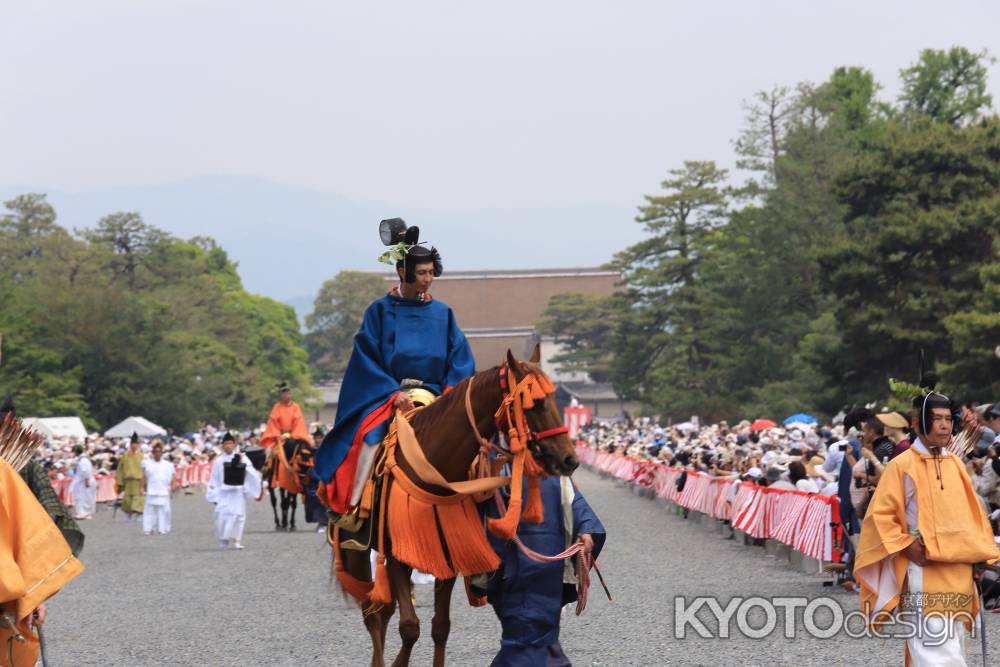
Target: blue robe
[(399, 339), (527, 596)]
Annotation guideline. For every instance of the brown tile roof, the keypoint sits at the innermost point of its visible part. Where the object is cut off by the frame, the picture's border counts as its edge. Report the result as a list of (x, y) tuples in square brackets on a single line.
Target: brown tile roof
[(513, 298)]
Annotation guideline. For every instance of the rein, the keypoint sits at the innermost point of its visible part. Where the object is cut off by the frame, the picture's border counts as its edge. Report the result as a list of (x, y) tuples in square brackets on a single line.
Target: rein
[(584, 561)]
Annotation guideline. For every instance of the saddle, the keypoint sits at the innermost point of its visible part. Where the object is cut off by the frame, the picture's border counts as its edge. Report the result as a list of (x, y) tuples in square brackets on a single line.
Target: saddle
[(357, 526)]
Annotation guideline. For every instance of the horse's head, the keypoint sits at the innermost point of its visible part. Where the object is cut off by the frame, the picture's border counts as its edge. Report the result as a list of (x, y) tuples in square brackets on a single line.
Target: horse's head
[(548, 440)]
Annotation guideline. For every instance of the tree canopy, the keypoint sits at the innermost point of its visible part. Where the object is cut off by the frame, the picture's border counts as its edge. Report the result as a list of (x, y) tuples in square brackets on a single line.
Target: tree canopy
[(123, 318), (862, 232)]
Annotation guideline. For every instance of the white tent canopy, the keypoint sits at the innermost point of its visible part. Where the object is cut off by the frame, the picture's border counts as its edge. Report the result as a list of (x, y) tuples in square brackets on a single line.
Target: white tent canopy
[(139, 425), (58, 427)]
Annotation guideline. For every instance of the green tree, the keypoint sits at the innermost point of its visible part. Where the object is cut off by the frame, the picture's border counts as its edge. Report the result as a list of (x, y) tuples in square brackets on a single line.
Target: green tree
[(947, 86), (923, 211), (588, 327), (130, 240), (663, 352), (127, 319), (337, 313)]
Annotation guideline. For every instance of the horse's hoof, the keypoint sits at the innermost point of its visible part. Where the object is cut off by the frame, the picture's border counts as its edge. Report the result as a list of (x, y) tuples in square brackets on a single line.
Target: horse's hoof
[(277, 527), (292, 527)]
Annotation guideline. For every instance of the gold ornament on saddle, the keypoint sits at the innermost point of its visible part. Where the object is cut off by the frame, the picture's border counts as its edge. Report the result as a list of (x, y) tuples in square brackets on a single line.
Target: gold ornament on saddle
[(417, 393)]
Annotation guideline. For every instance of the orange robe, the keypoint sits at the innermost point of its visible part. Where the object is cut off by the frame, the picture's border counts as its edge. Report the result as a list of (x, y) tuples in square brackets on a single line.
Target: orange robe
[(951, 522), (35, 562), (285, 420)]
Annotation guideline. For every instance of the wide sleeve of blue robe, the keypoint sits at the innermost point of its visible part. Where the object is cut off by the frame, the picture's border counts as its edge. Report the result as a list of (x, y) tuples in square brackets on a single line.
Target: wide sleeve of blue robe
[(585, 521), (366, 385)]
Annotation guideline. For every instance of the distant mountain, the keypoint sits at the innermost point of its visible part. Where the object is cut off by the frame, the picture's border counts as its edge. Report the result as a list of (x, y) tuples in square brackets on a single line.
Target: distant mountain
[(288, 240)]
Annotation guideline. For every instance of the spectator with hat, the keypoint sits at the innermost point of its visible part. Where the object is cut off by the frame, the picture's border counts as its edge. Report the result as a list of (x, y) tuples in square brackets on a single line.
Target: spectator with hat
[(894, 426)]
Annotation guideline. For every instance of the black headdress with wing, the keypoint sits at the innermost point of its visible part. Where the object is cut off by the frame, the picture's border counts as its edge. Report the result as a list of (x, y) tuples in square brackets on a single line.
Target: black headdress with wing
[(407, 251)]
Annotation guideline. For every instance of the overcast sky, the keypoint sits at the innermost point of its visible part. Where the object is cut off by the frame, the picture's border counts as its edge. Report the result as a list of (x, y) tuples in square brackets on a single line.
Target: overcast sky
[(430, 104)]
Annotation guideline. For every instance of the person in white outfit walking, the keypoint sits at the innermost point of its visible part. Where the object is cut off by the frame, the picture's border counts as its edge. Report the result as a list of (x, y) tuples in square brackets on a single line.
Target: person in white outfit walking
[(84, 486), (233, 480), (160, 482)]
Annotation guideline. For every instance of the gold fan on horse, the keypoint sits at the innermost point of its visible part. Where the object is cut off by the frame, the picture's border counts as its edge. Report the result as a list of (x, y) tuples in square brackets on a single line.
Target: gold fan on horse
[(433, 467)]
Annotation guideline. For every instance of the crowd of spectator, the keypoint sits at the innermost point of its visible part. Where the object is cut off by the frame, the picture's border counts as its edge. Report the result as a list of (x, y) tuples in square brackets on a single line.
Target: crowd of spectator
[(60, 456), (844, 457)]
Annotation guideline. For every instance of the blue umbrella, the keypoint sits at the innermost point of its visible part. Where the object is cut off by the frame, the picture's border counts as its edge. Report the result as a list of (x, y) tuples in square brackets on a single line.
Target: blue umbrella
[(801, 418)]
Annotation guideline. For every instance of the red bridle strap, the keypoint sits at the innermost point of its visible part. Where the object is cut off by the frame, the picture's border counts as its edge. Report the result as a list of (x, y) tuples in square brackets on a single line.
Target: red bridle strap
[(541, 435)]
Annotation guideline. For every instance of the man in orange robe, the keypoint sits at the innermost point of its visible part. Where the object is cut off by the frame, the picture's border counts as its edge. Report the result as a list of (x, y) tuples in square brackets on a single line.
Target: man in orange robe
[(35, 563), (285, 420), (285, 423), (922, 534)]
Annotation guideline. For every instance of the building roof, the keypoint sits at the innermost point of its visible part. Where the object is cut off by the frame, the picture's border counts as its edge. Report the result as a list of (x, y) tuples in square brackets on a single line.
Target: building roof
[(514, 298), (590, 391), (487, 274)]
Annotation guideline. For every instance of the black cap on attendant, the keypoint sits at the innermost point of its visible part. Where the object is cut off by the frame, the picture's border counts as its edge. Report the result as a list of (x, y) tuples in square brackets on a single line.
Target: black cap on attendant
[(282, 387), (228, 437), (7, 406), (135, 437), (319, 432)]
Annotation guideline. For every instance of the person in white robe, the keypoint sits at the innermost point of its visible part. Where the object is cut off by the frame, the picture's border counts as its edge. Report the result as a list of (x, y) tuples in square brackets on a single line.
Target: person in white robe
[(84, 486), (229, 499), (160, 483)]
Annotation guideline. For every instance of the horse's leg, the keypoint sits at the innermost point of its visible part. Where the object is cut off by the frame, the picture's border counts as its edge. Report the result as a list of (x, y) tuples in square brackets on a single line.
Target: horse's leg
[(284, 509), (409, 624), (385, 615), (376, 625), (293, 499), (274, 507), (358, 565), (441, 623)]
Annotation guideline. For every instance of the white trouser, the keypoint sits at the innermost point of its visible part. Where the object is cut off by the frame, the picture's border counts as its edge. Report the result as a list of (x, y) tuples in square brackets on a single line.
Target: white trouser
[(229, 525), (941, 640), (156, 515)]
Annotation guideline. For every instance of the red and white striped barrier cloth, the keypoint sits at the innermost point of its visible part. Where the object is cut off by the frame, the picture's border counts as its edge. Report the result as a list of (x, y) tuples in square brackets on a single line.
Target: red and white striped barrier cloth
[(194, 473), (806, 522), (107, 489)]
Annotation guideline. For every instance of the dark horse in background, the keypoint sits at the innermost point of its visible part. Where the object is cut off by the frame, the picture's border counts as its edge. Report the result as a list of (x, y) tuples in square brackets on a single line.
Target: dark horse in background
[(450, 445), (286, 472)]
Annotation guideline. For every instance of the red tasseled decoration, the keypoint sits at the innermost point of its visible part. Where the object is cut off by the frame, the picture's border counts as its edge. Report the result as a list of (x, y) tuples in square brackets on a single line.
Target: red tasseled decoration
[(381, 591), (533, 512)]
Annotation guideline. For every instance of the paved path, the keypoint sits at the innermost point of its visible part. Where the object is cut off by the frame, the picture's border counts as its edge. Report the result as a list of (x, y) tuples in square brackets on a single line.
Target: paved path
[(179, 600)]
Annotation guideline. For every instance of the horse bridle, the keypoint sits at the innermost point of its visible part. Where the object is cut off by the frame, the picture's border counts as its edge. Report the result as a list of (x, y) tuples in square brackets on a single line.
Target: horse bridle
[(511, 390)]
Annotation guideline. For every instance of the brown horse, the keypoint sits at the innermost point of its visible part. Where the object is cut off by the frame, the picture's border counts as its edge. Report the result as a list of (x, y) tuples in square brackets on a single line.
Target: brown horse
[(450, 444)]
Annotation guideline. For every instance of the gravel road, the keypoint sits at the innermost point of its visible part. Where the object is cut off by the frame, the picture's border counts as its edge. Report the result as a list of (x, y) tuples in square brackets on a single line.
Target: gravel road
[(180, 600)]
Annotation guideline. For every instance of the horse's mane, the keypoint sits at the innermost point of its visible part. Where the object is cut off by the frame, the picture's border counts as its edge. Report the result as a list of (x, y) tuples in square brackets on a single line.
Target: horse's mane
[(430, 418)]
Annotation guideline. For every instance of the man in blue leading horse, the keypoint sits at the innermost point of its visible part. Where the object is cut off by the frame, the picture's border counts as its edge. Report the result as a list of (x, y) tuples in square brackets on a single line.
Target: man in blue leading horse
[(409, 343), (528, 596)]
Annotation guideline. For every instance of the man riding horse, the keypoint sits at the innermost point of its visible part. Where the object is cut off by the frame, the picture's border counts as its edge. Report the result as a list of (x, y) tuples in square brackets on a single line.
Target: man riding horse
[(408, 350), (409, 346), (284, 435)]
